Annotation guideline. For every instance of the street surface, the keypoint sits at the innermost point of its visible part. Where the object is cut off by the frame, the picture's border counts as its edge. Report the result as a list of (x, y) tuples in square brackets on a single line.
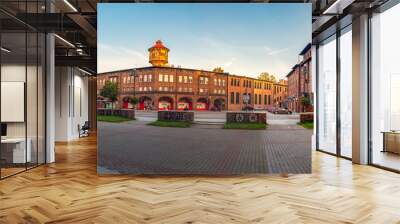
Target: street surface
[(204, 149)]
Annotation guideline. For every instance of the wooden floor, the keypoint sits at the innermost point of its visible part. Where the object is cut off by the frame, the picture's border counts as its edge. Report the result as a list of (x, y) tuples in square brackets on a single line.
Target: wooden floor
[(70, 191)]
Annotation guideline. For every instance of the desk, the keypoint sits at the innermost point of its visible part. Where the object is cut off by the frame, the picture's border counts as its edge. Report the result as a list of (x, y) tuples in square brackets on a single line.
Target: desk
[(391, 141), (19, 155)]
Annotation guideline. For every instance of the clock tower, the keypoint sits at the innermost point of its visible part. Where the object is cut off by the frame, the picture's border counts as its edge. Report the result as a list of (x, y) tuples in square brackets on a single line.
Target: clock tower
[(158, 54)]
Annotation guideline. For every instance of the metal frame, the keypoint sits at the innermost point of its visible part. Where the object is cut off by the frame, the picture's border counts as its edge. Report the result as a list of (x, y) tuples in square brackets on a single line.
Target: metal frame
[(337, 34), (44, 74)]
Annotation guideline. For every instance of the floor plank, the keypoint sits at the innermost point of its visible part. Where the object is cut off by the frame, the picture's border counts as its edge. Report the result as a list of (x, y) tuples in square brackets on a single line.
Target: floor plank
[(70, 191)]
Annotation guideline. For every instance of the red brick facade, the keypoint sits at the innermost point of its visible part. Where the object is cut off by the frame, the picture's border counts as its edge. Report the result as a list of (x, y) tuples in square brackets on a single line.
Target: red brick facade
[(164, 87), (300, 83)]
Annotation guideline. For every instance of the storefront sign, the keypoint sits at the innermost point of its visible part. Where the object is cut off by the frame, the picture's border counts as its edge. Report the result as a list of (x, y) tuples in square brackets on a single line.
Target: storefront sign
[(201, 106)]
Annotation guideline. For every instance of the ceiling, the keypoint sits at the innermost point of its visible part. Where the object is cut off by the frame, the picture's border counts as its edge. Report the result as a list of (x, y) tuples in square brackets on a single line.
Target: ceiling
[(75, 22)]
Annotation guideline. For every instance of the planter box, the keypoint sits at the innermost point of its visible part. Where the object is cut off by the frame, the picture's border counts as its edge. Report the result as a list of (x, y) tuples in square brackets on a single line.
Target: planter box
[(128, 113), (307, 117), (246, 117), (175, 116)]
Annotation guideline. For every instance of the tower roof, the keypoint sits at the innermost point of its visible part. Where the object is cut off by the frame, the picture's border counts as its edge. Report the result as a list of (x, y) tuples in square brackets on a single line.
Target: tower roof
[(158, 44)]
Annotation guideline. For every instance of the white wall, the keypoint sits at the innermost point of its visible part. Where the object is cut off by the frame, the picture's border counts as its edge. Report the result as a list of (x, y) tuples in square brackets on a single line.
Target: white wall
[(71, 102)]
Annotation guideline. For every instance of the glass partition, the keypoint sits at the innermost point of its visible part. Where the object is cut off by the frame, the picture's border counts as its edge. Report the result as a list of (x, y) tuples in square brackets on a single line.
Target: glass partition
[(346, 92), (22, 98), (327, 95), (385, 89), (13, 121)]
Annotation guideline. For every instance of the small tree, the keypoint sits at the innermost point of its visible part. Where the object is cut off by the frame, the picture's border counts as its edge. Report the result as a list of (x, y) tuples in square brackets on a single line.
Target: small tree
[(110, 91), (218, 69), (133, 100)]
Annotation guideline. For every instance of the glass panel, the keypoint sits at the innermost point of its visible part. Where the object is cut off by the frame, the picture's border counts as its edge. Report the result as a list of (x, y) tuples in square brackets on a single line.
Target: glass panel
[(41, 98), (346, 93), (385, 84), (13, 86), (327, 95), (31, 98)]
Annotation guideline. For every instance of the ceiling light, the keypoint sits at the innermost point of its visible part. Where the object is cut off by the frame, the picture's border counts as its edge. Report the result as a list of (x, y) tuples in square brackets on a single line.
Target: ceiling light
[(337, 7), (65, 41), (70, 5), (5, 50), (86, 72)]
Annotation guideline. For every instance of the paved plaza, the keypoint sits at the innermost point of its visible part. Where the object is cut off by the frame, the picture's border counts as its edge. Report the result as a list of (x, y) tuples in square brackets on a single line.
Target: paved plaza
[(204, 149)]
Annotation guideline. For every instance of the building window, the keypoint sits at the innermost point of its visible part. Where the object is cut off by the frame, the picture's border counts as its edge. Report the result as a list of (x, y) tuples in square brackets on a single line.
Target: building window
[(160, 77), (145, 88), (171, 78), (215, 82), (255, 98), (232, 97), (165, 78), (190, 79), (145, 78), (259, 99), (203, 80), (185, 79), (150, 78), (140, 89), (237, 98), (190, 90), (265, 99), (160, 88), (180, 78), (166, 88), (180, 89)]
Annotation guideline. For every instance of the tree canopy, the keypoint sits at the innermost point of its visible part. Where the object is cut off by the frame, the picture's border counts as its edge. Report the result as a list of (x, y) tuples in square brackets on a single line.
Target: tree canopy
[(267, 77), (110, 91), (218, 69)]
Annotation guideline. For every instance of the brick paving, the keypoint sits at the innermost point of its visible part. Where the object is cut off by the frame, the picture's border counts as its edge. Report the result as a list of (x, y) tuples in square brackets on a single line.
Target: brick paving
[(138, 149)]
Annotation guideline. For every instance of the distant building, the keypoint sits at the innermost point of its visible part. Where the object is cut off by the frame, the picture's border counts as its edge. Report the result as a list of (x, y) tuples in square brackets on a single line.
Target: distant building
[(164, 87), (299, 81)]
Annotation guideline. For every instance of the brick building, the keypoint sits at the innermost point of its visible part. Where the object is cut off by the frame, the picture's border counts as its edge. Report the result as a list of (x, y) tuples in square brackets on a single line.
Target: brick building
[(161, 87), (299, 81), (280, 93)]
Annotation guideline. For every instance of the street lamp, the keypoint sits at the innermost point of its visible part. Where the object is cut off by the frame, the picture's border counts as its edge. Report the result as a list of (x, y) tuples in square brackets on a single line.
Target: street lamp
[(133, 74)]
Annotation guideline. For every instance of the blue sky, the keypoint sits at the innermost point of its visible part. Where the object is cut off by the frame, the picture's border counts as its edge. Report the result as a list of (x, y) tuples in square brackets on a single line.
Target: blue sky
[(244, 39)]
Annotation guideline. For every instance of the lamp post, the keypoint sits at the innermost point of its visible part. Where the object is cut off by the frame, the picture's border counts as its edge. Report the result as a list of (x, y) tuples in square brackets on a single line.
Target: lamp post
[(133, 75)]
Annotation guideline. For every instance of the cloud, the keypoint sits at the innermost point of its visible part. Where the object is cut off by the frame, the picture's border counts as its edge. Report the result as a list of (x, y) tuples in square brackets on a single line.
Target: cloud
[(111, 58), (229, 63), (272, 52)]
